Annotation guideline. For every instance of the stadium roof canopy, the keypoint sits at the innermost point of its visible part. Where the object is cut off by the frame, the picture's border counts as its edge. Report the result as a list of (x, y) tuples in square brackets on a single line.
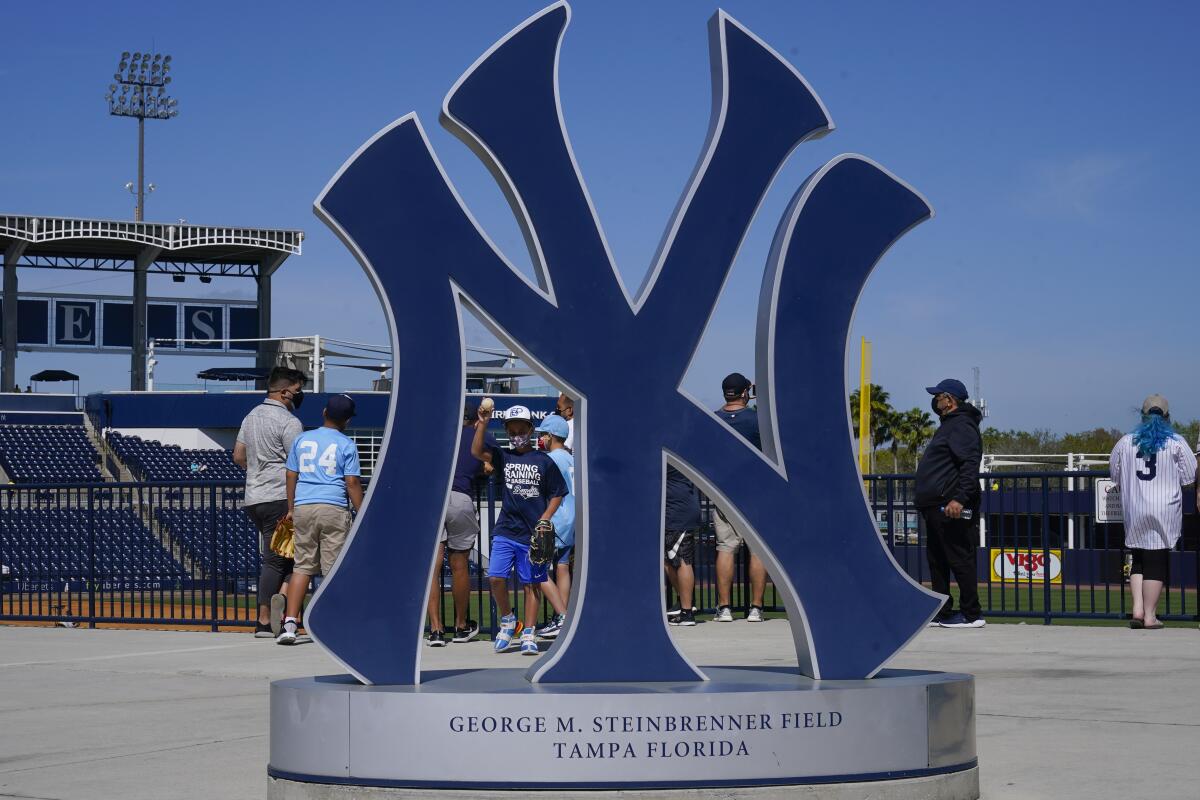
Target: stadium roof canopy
[(140, 248), (167, 248)]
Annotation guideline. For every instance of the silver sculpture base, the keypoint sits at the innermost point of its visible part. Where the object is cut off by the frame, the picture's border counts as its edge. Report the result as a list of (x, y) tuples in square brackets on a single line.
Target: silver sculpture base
[(749, 731)]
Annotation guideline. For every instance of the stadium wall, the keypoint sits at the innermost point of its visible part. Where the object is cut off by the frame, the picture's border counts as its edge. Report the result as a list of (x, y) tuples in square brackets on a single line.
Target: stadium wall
[(129, 411)]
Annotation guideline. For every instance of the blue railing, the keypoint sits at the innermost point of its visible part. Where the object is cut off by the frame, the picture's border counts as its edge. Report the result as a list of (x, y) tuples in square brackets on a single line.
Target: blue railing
[(183, 553)]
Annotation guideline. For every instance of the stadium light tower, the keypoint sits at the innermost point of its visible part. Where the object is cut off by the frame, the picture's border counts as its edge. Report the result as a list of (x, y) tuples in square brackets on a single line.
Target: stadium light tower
[(140, 91)]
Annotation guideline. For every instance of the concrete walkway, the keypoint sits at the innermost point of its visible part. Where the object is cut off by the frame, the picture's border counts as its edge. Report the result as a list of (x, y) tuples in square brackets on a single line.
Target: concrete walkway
[(1063, 712)]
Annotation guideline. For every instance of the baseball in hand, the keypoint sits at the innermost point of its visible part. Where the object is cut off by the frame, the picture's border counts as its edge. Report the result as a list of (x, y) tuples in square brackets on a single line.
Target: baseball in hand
[(486, 406)]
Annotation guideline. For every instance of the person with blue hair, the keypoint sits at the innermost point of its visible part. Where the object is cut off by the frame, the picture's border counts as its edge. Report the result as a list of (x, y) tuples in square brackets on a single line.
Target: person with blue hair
[(1150, 465)]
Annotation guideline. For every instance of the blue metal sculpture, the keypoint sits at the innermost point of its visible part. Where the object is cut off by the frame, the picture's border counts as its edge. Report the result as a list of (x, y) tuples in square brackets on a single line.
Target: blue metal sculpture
[(851, 608)]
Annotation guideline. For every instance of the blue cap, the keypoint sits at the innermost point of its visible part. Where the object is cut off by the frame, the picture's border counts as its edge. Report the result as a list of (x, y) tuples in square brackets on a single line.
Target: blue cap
[(951, 387), (554, 425), (340, 407)]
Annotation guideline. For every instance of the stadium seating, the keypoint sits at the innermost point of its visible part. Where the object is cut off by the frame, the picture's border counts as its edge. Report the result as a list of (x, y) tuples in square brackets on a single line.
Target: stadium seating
[(150, 460), (53, 543), (48, 454), (237, 541)]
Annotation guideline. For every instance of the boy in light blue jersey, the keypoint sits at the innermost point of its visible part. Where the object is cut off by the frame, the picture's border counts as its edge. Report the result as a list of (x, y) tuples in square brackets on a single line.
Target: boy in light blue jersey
[(322, 482), (554, 432)]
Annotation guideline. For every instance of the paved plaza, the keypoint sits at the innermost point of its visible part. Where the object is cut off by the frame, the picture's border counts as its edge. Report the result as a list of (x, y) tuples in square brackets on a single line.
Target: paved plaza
[(1063, 712)]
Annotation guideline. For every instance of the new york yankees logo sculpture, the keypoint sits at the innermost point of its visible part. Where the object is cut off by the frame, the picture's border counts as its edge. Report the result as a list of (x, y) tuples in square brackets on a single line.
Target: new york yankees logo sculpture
[(801, 500)]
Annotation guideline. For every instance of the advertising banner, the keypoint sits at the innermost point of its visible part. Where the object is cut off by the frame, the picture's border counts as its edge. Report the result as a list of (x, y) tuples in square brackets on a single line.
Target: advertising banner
[(1025, 565)]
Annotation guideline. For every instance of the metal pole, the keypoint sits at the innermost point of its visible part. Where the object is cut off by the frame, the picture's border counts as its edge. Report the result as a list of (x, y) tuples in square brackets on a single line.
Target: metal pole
[(91, 517), (318, 366), (8, 363), (212, 522), (1046, 615), (864, 407), (139, 212), (150, 362)]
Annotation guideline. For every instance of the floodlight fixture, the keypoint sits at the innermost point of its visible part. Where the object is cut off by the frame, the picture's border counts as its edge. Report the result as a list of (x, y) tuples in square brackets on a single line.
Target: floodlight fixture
[(136, 74)]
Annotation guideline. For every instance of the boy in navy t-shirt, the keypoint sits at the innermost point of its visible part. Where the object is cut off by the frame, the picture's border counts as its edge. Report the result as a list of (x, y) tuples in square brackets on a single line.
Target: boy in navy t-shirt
[(533, 491)]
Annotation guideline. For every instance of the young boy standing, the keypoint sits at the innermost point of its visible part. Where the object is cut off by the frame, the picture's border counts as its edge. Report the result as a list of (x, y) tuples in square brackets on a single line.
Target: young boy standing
[(533, 491), (554, 432), (322, 475)]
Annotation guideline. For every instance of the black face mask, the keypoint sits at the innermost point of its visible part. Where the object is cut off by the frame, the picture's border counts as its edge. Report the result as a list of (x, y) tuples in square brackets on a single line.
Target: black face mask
[(298, 399), (933, 404)]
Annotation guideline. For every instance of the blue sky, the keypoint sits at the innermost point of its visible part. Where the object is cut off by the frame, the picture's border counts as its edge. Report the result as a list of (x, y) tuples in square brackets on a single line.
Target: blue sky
[(1054, 140)]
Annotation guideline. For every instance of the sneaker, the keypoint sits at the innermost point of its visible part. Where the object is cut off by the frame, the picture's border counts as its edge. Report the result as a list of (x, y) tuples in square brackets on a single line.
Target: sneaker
[(262, 630), (435, 639), (288, 634), (278, 609), (957, 620), (504, 636), (755, 615), (724, 614), (674, 614), (466, 634), (528, 643), (686, 619), (553, 628)]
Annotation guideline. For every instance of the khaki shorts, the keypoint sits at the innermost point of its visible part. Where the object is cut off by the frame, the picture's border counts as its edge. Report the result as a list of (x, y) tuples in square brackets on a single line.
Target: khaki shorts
[(321, 531), (461, 526), (728, 538)]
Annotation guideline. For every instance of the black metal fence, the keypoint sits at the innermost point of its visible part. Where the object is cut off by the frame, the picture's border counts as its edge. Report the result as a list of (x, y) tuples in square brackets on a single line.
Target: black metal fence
[(160, 553), (1043, 551), (185, 554)]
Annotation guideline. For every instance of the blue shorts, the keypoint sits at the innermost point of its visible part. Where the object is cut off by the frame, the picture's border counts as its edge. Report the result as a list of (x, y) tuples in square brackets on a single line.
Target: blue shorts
[(506, 554), (563, 555)]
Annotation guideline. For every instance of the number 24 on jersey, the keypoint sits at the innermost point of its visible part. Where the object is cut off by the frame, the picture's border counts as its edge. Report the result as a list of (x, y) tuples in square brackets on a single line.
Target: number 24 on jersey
[(328, 459)]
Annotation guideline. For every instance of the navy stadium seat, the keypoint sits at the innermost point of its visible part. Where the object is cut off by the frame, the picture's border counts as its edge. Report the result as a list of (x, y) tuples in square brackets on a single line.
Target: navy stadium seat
[(237, 540), (54, 543), (150, 460), (48, 454)]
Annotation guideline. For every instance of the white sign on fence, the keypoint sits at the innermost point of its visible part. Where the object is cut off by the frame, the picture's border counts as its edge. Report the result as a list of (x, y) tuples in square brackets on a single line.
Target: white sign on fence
[(1108, 501)]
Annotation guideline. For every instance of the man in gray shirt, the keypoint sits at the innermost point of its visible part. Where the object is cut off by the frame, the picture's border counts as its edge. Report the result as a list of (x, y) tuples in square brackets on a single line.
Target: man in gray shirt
[(262, 448)]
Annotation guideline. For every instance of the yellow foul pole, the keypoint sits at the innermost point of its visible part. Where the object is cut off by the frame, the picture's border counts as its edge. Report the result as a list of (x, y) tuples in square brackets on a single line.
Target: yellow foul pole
[(864, 408)]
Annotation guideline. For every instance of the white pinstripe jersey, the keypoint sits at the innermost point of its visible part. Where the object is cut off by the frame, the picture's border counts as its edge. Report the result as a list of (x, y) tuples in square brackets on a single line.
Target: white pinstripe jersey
[(1151, 494)]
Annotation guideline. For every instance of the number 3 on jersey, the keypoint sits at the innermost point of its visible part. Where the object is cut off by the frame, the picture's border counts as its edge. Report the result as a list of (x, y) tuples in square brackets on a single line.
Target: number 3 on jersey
[(1151, 467), (328, 459)]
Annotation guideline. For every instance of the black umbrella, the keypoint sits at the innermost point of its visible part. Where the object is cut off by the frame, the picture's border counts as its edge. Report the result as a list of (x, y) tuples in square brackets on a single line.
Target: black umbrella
[(234, 374), (55, 376)]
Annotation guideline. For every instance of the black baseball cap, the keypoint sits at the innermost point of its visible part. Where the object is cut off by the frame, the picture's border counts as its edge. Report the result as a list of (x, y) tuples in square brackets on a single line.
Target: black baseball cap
[(340, 407), (951, 387), (734, 384)]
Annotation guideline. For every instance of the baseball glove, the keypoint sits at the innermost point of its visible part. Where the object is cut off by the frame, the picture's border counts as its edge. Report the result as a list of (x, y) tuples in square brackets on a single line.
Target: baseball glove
[(541, 546), (283, 541)]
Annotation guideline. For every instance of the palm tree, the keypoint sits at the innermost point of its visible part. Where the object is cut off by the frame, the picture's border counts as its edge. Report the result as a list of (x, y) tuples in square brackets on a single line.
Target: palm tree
[(914, 429), (881, 416), (895, 430)]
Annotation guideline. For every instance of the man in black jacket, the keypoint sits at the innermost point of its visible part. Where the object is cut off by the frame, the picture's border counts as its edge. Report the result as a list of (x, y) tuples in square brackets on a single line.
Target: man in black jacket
[(947, 495)]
